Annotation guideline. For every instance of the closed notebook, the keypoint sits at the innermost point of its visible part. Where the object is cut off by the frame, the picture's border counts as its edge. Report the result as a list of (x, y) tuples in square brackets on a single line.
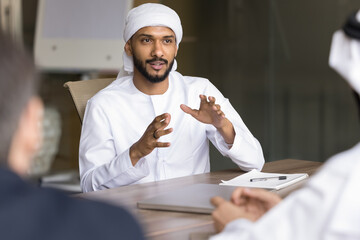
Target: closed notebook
[(194, 198), (257, 179)]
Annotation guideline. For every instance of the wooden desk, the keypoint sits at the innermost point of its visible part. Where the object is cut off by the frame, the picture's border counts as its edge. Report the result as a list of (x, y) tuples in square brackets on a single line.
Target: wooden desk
[(175, 225)]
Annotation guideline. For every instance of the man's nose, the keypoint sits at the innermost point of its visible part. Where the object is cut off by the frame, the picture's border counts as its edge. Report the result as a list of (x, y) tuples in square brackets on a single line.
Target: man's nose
[(157, 50)]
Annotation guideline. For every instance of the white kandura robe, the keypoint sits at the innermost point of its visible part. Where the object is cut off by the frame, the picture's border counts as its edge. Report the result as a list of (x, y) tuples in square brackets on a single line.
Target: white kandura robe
[(118, 116), (328, 207)]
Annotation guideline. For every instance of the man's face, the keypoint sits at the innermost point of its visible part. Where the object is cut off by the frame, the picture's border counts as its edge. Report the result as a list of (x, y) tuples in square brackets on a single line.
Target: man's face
[(153, 50)]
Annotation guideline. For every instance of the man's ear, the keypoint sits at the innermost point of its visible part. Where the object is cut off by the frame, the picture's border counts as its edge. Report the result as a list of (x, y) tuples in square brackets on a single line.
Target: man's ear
[(128, 48), (27, 138), (176, 51)]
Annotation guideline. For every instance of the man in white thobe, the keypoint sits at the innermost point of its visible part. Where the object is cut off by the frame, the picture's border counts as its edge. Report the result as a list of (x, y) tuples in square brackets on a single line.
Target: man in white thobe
[(328, 207), (152, 123)]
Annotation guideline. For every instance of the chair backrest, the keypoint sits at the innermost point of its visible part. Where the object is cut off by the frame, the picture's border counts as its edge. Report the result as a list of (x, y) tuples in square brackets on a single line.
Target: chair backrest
[(82, 91)]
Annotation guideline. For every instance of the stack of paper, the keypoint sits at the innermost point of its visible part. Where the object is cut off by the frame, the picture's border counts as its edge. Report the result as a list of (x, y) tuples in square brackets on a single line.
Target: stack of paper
[(256, 179)]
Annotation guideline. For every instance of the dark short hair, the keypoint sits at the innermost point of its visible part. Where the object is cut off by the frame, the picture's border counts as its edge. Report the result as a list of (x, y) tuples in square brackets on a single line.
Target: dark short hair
[(18, 83)]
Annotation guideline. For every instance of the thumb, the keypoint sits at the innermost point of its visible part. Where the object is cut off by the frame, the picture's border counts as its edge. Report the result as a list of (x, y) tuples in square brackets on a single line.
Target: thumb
[(216, 201), (188, 110)]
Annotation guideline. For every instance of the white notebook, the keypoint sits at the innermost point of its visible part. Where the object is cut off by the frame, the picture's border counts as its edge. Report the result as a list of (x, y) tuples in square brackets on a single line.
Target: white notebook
[(257, 179)]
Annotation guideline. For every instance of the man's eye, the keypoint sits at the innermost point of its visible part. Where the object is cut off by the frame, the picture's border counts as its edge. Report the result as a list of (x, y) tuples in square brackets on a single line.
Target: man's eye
[(168, 41), (146, 40)]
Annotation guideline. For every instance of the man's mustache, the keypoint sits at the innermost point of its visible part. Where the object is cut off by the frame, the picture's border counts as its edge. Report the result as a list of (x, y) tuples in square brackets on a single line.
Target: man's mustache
[(157, 59)]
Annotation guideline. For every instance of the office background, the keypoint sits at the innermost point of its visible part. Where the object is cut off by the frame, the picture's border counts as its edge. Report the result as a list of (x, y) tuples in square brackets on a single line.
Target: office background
[(269, 57)]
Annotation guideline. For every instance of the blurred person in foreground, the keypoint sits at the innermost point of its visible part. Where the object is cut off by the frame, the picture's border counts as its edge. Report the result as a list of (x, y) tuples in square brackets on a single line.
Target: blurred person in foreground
[(27, 212), (328, 207)]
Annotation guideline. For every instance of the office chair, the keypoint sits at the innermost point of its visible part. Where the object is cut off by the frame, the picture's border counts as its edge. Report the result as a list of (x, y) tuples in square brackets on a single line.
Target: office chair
[(82, 91)]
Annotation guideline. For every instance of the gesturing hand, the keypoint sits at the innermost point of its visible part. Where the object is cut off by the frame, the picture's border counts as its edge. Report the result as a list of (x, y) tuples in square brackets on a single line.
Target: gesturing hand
[(149, 140), (209, 112)]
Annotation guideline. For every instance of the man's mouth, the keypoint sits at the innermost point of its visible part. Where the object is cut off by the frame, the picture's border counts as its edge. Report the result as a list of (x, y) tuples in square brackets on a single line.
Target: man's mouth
[(157, 64)]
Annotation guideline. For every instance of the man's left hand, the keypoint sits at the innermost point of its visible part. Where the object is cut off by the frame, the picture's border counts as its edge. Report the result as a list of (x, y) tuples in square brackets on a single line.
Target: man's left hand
[(209, 112)]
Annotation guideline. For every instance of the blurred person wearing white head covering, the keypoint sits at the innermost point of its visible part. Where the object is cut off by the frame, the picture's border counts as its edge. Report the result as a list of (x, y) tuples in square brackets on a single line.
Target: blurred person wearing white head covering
[(328, 207), (152, 123)]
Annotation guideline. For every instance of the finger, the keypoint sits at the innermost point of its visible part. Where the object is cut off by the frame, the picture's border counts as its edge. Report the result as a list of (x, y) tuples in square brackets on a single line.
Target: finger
[(211, 100), (188, 110), (160, 133), (203, 99), (161, 117), (161, 121), (216, 201), (237, 196), (216, 107), (220, 113), (155, 135), (162, 144), (167, 118), (156, 123), (164, 124)]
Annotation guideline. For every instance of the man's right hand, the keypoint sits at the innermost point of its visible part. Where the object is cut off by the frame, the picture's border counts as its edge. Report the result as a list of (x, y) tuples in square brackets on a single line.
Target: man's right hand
[(149, 140)]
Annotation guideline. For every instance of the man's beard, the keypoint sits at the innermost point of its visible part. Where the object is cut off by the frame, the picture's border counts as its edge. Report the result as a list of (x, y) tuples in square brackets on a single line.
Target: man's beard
[(154, 79)]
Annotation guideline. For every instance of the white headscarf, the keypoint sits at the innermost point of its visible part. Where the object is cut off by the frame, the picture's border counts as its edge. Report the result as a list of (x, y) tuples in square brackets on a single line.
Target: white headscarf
[(145, 15), (345, 57)]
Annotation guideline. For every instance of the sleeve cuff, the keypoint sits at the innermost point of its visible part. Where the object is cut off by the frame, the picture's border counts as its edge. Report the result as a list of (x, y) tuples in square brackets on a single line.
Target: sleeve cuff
[(244, 154), (130, 173), (228, 149)]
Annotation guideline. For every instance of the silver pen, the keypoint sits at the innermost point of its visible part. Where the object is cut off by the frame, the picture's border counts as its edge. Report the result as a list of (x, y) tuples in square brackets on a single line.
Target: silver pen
[(267, 178)]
